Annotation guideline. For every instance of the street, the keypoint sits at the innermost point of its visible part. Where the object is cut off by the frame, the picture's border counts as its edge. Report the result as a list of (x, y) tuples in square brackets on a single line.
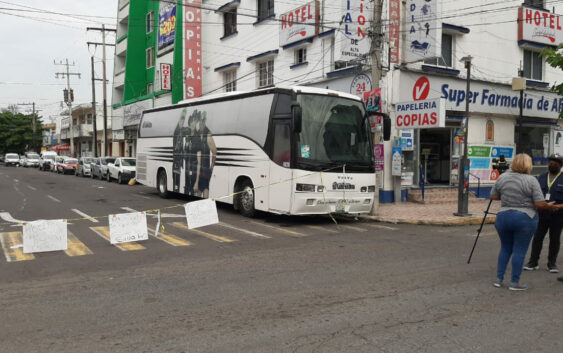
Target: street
[(268, 284)]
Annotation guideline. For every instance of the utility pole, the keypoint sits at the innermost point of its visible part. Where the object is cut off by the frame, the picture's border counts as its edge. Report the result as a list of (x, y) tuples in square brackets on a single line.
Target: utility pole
[(463, 173), (103, 30), (94, 122), (376, 49), (33, 117), (69, 97)]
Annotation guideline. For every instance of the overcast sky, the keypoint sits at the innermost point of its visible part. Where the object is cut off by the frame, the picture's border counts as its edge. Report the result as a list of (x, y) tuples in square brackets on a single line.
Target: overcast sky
[(32, 37)]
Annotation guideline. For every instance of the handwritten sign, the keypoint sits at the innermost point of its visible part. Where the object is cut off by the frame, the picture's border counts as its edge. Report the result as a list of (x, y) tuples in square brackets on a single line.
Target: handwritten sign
[(128, 227), (201, 213), (44, 235)]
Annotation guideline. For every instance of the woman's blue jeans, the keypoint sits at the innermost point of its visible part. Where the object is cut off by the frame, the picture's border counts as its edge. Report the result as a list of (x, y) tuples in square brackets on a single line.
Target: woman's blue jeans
[(515, 230)]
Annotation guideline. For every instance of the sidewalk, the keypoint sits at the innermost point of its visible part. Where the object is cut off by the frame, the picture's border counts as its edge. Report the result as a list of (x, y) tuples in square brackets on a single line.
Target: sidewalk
[(434, 213)]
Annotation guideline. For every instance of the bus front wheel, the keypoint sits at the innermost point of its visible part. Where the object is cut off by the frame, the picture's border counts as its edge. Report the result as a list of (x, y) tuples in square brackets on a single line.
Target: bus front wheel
[(245, 199), (162, 184)]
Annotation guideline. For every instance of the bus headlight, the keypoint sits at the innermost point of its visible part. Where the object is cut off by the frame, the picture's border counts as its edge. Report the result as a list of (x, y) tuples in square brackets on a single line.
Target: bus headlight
[(320, 188), (305, 187), (371, 188), (364, 189)]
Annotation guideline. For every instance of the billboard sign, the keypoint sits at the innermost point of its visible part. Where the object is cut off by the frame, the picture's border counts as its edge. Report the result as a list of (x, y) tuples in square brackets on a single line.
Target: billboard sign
[(192, 49), (429, 113), (353, 38), (423, 31), (539, 26), (166, 25), (394, 30), (300, 23)]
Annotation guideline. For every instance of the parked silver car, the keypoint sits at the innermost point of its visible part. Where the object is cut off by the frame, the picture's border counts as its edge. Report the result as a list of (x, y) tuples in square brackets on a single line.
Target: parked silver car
[(84, 166), (100, 167), (31, 159)]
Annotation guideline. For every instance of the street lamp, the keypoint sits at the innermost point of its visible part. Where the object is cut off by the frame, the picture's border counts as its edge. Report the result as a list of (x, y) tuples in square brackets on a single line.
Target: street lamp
[(463, 173)]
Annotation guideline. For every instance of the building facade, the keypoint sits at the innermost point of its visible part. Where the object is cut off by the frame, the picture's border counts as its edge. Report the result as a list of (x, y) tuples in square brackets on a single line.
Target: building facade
[(167, 52)]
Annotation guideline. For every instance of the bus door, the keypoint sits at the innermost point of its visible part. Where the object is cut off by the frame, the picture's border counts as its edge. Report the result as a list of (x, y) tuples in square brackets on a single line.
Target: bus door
[(281, 183)]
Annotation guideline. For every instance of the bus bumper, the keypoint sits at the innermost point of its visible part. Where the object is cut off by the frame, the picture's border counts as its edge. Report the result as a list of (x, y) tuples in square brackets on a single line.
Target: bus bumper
[(319, 203)]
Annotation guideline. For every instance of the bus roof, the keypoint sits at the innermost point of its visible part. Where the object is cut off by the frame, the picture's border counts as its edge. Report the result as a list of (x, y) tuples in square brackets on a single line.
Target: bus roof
[(295, 89)]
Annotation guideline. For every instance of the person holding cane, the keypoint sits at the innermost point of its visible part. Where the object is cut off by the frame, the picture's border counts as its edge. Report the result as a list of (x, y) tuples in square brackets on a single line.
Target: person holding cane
[(551, 184), (520, 195)]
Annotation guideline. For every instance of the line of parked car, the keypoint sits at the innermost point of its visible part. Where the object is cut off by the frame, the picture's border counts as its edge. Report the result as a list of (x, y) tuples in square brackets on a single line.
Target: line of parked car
[(122, 169)]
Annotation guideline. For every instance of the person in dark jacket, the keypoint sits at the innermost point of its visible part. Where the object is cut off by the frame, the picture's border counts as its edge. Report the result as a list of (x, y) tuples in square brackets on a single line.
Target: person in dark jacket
[(551, 184)]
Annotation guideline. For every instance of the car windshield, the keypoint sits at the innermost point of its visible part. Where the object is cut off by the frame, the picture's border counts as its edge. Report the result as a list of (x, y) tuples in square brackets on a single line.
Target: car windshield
[(49, 156), (71, 161), (88, 160), (12, 155), (128, 162), (334, 133), (33, 156)]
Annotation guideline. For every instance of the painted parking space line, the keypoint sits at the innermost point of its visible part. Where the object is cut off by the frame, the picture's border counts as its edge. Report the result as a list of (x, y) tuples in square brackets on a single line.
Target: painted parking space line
[(379, 226), (169, 238), (54, 198), (245, 231), (323, 229), (6, 216), (104, 233), (76, 247), (354, 228), (80, 213), (214, 237), (13, 248), (279, 229), (31, 188)]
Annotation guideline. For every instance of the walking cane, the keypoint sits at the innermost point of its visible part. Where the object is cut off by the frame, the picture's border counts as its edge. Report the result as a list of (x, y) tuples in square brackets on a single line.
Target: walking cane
[(479, 231)]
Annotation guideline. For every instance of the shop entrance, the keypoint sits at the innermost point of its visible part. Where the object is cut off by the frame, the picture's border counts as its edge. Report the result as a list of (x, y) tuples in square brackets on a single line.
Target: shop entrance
[(435, 155)]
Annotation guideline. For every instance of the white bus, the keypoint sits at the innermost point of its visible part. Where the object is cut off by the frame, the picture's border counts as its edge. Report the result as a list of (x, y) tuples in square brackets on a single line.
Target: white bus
[(296, 150)]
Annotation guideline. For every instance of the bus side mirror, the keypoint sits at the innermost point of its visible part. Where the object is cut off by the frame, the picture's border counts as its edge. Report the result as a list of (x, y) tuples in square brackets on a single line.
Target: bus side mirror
[(296, 118), (385, 125)]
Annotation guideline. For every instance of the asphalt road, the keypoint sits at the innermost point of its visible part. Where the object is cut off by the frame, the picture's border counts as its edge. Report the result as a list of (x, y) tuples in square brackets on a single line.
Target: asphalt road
[(270, 284)]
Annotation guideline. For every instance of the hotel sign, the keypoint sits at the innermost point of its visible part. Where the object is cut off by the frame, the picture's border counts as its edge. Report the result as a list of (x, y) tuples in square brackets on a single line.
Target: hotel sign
[(300, 23), (539, 26)]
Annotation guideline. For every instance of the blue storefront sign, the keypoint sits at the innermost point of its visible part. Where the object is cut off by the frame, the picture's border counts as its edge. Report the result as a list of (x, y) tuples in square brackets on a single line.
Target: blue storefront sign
[(508, 152)]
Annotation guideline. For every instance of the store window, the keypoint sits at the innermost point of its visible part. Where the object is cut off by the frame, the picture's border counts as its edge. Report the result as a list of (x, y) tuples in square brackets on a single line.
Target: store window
[(150, 57), (150, 88), (230, 81), (490, 133), (89, 119), (230, 22), (534, 3), (150, 21), (533, 65), (265, 9), (447, 52), (533, 140), (266, 73), (300, 56)]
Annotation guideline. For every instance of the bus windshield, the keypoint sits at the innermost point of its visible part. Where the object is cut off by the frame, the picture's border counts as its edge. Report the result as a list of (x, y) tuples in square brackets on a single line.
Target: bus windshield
[(334, 132)]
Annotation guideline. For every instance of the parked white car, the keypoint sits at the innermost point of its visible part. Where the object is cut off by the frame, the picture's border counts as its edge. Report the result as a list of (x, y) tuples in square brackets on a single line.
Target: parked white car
[(11, 159), (31, 159), (123, 169), (47, 159)]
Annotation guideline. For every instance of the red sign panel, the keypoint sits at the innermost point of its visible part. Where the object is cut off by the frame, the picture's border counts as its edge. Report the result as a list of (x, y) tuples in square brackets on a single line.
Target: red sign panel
[(165, 77), (192, 49), (394, 30), (539, 26), (421, 89)]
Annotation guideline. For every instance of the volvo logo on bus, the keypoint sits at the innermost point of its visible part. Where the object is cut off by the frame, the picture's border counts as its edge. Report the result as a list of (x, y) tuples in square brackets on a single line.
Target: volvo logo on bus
[(342, 186)]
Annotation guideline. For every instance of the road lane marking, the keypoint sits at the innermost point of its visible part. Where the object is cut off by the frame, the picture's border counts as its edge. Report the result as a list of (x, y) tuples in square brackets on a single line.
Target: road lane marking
[(322, 229), (53, 198), (84, 215), (12, 246), (279, 229), (76, 247), (204, 234), (16, 181), (246, 231), (31, 188), (162, 215), (8, 218), (378, 226), (169, 238), (104, 233), (357, 229)]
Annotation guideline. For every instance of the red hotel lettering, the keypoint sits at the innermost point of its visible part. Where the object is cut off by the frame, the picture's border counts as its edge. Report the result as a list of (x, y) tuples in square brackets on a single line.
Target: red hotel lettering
[(298, 16), (535, 17)]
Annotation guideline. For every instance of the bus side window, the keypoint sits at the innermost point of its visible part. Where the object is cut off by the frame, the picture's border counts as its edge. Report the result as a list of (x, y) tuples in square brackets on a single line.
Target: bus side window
[(283, 104), (282, 144)]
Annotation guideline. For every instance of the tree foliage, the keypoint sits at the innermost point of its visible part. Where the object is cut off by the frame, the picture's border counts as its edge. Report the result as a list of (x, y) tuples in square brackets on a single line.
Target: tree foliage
[(554, 57), (16, 133)]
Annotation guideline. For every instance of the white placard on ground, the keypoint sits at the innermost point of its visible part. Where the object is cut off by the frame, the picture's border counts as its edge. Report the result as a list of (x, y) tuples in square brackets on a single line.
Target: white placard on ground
[(201, 213), (44, 235), (128, 227)]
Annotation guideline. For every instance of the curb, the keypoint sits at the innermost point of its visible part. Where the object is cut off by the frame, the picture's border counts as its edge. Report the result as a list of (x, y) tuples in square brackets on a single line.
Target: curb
[(435, 222)]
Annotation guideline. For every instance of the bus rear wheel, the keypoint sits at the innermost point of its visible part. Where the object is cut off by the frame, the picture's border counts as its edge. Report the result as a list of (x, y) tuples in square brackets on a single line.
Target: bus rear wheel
[(245, 199), (162, 184)]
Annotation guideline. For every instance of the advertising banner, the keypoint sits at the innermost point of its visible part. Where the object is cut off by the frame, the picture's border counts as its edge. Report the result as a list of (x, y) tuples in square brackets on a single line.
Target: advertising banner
[(300, 23), (539, 26), (165, 77), (396, 161), (429, 113), (353, 38), (423, 30), (372, 100), (379, 155), (394, 30), (481, 159), (192, 49), (558, 141), (166, 25)]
